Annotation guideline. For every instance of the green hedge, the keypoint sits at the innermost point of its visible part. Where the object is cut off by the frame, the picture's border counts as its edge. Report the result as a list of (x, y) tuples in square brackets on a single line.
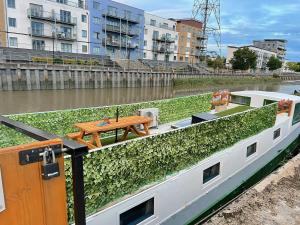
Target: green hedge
[(119, 170), (61, 122)]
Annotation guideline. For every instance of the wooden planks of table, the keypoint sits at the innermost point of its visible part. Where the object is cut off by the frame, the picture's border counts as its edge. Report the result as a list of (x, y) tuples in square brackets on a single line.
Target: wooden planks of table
[(126, 123)]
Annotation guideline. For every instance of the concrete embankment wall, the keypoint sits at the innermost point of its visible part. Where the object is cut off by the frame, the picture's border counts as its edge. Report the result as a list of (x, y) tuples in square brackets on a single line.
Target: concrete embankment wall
[(49, 77)]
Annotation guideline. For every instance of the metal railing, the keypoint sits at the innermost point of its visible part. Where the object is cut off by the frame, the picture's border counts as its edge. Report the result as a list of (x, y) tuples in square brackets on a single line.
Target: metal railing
[(51, 16), (117, 29), (115, 14)]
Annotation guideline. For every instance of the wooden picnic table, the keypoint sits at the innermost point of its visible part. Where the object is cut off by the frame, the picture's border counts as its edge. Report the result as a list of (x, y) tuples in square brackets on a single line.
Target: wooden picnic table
[(126, 123)]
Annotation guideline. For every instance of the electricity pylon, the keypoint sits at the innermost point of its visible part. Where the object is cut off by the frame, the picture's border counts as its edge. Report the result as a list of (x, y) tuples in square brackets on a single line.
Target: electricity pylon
[(208, 12)]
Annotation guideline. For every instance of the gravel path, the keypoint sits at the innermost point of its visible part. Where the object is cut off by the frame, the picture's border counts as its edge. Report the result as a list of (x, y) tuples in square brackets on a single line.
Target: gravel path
[(274, 201)]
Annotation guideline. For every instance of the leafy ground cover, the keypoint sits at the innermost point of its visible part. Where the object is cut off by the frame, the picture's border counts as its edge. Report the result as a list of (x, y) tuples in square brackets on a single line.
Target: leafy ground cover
[(234, 110)]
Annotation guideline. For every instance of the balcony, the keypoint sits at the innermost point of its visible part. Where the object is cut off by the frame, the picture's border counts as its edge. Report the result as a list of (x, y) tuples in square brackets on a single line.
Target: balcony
[(78, 4), (116, 29), (201, 37), (117, 44), (51, 17), (126, 18), (59, 35), (163, 50), (163, 38)]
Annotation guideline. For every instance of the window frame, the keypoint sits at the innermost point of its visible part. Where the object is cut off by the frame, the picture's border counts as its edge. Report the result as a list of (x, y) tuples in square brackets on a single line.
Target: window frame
[(16, 41), (206, 180), (11, 4), (83, 18), (295, 119), (248, 153), (147, 218), (277, 134), (66, 44), (84, 33), (10, 19)]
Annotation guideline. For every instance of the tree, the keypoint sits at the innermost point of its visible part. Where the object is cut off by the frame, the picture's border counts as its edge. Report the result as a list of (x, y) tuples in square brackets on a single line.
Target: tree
[(244, 59), (274, 63), (217, 63), (294, 66)]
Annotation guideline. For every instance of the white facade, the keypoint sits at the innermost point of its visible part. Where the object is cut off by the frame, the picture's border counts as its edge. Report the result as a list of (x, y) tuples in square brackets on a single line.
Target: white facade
[(263, 55), (160, 38), (38, 21)]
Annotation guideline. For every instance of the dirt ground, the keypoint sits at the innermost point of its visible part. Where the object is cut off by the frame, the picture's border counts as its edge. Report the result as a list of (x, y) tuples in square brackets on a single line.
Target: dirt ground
[(274, 201)]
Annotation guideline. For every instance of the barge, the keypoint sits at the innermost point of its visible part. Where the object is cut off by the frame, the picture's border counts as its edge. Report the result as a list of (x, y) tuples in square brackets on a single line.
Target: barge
[(192, 163)]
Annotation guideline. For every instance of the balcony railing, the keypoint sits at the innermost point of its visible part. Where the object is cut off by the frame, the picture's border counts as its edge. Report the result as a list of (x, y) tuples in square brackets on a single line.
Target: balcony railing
[(163, 26), (78, 4), (48, 33), (122, 17), (116, 43), (51, 16), (163, 38), (123, 30), (164, 50)]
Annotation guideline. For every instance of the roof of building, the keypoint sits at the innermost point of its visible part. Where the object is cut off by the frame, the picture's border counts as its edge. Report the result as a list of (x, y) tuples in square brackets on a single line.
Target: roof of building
[(190, 21), (281, 40), (251, 46)]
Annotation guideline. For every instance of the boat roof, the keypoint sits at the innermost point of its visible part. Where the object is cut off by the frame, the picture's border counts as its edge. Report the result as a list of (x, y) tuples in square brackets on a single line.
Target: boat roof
[(267, 94)]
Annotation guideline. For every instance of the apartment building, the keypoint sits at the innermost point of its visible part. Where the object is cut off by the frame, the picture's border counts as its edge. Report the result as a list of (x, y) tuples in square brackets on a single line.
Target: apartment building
[(263, 55), (274, 45), (116, 29), (3, 41), (160, 38), (59, 25), (190, 40)]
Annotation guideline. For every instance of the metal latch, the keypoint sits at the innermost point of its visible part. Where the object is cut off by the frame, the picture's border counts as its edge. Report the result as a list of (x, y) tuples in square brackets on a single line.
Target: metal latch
[(2, 200)]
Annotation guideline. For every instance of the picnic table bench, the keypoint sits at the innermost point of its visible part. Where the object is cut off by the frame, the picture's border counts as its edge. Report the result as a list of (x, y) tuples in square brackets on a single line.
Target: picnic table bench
[(94, 129)]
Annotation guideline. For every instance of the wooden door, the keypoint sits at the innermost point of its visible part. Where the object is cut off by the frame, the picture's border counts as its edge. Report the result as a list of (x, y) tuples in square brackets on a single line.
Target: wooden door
[(30, 200)]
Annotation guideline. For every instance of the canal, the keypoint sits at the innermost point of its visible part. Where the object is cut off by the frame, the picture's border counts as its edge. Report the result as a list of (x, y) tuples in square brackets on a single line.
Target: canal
[(34, 101)]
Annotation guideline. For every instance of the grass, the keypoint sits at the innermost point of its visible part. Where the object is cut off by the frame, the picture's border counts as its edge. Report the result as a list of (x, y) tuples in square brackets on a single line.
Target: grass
[(203, 82), (234, 110)]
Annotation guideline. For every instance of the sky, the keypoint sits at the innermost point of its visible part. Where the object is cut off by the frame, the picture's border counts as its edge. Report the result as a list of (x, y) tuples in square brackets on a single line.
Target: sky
[(241, 20)]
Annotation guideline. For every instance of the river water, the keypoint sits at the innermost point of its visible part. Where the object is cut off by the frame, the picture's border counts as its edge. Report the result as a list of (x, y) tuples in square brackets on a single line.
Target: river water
[(36, 101)]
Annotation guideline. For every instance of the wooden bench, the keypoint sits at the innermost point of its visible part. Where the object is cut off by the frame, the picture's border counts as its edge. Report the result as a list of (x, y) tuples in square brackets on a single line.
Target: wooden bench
[(73, 136)]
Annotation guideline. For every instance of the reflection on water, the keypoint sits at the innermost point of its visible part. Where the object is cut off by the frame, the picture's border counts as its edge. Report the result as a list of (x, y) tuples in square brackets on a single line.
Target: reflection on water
[(34, 101)]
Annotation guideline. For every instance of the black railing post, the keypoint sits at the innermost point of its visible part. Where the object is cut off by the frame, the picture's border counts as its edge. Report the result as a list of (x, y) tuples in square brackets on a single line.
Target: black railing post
[(78, 189)]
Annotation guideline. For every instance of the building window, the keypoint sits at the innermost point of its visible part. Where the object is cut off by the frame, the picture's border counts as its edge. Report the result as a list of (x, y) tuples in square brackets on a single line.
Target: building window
[(62, 1), (241, 100), (84, 33), (84, 48), (11, 3), (66, 47), (146, 31), (96, 35), (251, 149), (153, 22), (37, 28), (13, 42), (112, 11), (96, 50), (276, 134), (127, 14), (145, 55), (83, 18), (66, 32), (97, 20), (65, 16), (296, 117), (38, 45), (138, 213), (96, 5), (145, 43), (12, 22), (211, 172)]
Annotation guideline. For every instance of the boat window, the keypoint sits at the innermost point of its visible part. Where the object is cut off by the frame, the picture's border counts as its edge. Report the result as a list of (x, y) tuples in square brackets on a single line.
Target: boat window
[(276, 134), (268, 102), (211, 173), (296, 118), (241, 100), (251, 149), (138, 213)]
